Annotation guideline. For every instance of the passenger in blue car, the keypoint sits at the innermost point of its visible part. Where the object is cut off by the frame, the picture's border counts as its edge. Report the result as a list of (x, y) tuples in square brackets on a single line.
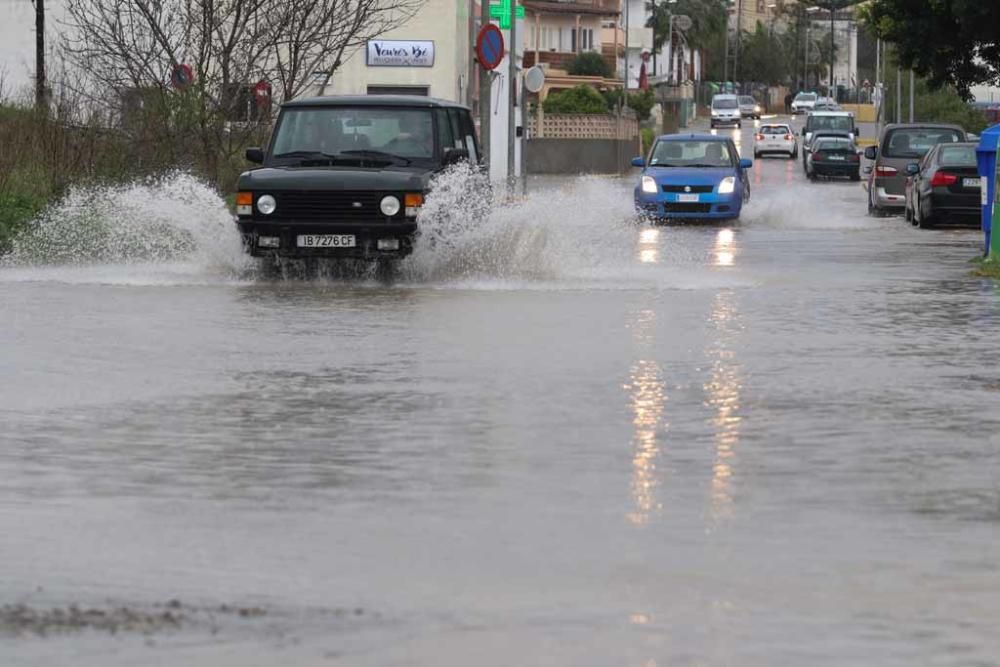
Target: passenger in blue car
[(692, 177)]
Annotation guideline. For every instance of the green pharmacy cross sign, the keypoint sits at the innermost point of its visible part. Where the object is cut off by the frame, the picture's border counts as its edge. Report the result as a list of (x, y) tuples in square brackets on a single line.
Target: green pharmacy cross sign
[(502, 12)]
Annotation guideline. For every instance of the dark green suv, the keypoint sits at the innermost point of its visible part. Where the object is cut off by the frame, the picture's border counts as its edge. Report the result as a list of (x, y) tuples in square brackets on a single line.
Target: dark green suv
[(346, 176)]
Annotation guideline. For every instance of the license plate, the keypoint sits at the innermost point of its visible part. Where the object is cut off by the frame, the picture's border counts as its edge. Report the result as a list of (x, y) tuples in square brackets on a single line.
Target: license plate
[(970, 183), (326, 241), (687, 198), (837, 157)]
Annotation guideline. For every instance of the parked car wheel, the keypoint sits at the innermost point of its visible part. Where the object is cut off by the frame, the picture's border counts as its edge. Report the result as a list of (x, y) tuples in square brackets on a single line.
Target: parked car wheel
[(923, 221), (856, 177)]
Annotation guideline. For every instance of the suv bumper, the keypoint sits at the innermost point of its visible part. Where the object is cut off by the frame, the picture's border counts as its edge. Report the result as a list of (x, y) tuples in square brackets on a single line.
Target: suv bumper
[(366, 238)]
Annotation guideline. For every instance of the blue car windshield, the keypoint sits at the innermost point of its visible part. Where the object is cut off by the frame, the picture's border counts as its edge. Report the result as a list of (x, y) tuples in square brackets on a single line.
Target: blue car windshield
[(691, 154)]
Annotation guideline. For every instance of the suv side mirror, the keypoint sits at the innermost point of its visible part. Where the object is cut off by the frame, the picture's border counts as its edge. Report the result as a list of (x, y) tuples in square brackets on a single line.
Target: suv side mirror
[(803, 131), (638, 162), (913, 169), (255, 155), (871, 152), (454, 155)]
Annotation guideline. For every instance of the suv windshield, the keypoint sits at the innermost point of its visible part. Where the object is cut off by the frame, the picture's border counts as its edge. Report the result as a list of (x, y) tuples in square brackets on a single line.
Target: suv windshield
[(691, 154), (396, 131), (725, 103), (915, 142)]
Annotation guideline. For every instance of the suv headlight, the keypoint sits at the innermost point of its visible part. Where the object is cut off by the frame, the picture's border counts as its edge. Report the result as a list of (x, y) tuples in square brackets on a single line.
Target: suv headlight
[(266, 204), (727, 185), (389, 206), (649, 185)]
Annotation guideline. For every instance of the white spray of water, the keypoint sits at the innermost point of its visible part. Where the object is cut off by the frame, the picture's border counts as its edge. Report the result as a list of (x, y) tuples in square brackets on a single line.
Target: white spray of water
[(566, 234), (570, 233), (172, 229)]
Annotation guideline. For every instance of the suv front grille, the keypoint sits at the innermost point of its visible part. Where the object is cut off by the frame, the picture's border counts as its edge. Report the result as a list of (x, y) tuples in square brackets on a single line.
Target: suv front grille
[(332, 206)]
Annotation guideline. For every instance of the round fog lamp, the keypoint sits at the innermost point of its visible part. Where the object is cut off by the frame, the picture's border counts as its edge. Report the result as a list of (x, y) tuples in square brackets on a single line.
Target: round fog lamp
[(389, 206), (266, 204)]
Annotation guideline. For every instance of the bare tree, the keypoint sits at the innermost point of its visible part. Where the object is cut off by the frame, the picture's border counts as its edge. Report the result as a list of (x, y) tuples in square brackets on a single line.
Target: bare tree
[(134, 47)]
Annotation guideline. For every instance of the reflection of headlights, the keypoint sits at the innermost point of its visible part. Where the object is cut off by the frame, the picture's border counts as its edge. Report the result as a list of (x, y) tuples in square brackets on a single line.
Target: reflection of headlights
[(648, 185), (727, 185)]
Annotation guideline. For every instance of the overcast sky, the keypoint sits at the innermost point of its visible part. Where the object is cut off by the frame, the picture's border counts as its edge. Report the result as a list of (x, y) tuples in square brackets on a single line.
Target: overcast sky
[(17, 39)]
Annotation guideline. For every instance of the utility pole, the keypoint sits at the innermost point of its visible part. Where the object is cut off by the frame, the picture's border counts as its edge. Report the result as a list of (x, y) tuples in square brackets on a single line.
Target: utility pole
[(912, 80), (512, 98), (485, 84), (833, 53), (41, 82), (899, 94), (739, 41)]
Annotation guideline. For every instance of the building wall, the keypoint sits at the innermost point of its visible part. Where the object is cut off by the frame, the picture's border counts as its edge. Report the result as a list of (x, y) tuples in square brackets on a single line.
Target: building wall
[(556, 32), (444, 22)]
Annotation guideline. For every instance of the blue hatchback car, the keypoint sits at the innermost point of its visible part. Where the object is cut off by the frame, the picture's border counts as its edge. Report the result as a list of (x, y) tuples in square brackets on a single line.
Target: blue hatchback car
[(692, 176)]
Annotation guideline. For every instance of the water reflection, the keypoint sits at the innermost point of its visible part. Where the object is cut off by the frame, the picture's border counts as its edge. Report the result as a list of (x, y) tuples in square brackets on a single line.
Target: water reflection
[(725, 248), (724, 392), (648, 397), (649, 249)]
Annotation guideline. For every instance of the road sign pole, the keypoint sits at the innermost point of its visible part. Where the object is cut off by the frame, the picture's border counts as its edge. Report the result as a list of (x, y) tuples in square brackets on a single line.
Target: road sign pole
[(485, 83), (511, 98)]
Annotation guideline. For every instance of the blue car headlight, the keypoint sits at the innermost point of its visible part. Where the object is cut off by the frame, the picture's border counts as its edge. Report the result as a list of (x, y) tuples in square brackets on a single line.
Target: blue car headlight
[(649, 185), (727, 185)]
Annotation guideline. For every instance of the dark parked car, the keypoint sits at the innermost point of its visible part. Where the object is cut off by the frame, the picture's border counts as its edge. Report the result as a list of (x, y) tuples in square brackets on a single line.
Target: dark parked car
[(346, 176), (900, 145), (833, 156), (944, 188)]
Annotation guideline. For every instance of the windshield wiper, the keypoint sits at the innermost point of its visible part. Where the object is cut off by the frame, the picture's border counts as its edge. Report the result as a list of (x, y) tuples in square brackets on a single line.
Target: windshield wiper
[(699, 165), (313, 154), (364, 152)]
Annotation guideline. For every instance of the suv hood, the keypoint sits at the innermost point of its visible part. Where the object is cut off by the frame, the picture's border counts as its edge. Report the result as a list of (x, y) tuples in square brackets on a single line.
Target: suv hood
[(336, 178)]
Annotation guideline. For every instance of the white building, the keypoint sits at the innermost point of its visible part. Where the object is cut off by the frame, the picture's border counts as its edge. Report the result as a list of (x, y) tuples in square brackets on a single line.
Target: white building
[(439, 32)]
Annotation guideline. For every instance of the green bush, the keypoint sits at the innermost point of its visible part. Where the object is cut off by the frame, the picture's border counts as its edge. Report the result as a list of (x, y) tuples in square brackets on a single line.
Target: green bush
[(17, 209), (582, 99), (648, 136), (641, 102), (590, 64)]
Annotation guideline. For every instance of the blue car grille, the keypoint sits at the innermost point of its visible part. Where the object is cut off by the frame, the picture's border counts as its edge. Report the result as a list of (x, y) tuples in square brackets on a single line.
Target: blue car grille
[(687, 208), (688, 188)]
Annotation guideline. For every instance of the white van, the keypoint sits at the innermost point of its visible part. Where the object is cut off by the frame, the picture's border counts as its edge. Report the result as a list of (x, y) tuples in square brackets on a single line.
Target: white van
[(726, 111)]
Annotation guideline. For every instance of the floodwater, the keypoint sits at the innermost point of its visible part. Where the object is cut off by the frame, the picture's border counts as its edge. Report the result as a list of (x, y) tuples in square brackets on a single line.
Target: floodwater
[(560, 439)]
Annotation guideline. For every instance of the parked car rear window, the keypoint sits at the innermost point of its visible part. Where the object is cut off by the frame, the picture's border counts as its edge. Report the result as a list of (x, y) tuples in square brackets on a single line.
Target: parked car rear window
[(833, 144), (725, 103), (958, 156), (844, 123), (692, 154), (775, 129), (917, 141)]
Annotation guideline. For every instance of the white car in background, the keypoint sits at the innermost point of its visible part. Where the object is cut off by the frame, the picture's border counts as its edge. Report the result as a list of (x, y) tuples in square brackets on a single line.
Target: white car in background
[(726, 111), (775, 138), (804, 102)]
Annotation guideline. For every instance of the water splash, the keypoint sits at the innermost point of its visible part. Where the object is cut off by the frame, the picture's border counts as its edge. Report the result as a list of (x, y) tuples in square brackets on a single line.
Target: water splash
[(568, 230), (174, 227)]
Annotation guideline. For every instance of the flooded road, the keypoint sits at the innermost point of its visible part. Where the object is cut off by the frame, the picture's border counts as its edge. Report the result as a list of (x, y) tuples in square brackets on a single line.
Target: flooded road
[(564, 440)]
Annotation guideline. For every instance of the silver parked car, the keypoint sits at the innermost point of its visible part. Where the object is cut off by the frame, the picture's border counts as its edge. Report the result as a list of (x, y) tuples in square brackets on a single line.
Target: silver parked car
[(900, 145), (749, 107)]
